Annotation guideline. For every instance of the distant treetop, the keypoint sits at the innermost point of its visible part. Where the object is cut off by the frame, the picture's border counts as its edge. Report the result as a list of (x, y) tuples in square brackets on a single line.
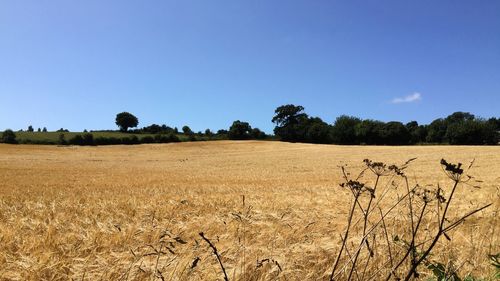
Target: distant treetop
[(126, 120)]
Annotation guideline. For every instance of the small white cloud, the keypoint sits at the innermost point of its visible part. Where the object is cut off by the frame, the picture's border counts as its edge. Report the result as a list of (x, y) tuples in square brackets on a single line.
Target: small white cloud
[(411, 98)]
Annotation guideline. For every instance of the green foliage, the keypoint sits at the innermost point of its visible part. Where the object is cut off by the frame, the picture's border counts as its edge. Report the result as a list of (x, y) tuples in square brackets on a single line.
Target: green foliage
[(187, 131), (368, 131), (441, 273), (288, 115), (394, 133), (156, 129), (208, 133), (239, 130), (257, 134), (130, 140), (471, 132), (161, 138), (290, 122), (436, 131), (76, 140), (62, 139), (8, 136), (343, 131), (293, 124), (495, 262), (125, 120), (318, 131)]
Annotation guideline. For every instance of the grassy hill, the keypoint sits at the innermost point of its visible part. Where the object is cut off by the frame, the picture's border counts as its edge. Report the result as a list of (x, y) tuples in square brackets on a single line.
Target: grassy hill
[(53, 137)]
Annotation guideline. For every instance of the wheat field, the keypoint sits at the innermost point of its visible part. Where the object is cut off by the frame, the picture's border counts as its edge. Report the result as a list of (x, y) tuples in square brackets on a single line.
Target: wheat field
[(274, 210)]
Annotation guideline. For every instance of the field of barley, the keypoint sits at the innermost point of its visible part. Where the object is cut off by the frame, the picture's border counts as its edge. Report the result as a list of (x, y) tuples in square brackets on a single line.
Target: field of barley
[(275, 211)]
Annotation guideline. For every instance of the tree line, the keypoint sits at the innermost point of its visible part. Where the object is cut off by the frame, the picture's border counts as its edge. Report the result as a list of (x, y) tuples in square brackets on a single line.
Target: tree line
[(459, 128), (294, 125)]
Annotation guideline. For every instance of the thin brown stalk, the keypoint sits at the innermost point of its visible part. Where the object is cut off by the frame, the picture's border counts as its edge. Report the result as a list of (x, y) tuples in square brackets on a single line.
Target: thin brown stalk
[(364, 228), (387, 238), (216, 253), (436, 238), (349, 221)]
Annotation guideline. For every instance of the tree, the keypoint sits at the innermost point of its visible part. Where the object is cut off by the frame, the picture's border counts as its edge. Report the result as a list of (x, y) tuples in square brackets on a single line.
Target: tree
[(126, 120), (459, 116), (30, 128), (288, 114), (152, 129), (208, 133), (222, 132), (44, 129), (395, 133), (343, 131), (257, 134), (290, 120), (469, 132), (239, 130), (39, 130), (9, 136), (495, 123), (418, 133), (187, 131), (318, 131), (368, 131), (436, 131)]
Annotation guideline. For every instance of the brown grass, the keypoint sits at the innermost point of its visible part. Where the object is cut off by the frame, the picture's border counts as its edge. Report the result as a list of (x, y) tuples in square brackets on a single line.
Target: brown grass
[(274, 210)]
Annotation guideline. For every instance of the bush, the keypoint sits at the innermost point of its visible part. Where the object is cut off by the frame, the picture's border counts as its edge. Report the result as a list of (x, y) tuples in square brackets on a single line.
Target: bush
[(107, 141), (9, 136), (130, 140), (76, 140), (88, 139), (147, 139), (166, 138), (62, 140)]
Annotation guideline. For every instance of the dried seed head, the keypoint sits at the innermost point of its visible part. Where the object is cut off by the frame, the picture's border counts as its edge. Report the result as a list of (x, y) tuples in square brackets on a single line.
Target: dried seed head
[(378, 168), (454, 171)]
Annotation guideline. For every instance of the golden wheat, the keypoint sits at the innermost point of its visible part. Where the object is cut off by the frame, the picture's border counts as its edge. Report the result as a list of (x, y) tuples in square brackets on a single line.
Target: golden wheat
[(274, 210)]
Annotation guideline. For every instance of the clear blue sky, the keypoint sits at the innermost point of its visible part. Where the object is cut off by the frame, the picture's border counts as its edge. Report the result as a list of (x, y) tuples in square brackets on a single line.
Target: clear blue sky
[(75, 64)]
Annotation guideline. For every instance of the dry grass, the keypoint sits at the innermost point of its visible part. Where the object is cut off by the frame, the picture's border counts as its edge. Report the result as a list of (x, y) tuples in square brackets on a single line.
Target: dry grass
[(134, 212)]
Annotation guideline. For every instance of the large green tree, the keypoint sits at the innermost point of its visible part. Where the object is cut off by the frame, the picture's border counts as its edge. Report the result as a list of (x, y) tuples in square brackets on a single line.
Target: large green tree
[(126, 120), (290, 122), (395, 133), (240, 130), (343, 131), (368, 131), (8, 136)]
